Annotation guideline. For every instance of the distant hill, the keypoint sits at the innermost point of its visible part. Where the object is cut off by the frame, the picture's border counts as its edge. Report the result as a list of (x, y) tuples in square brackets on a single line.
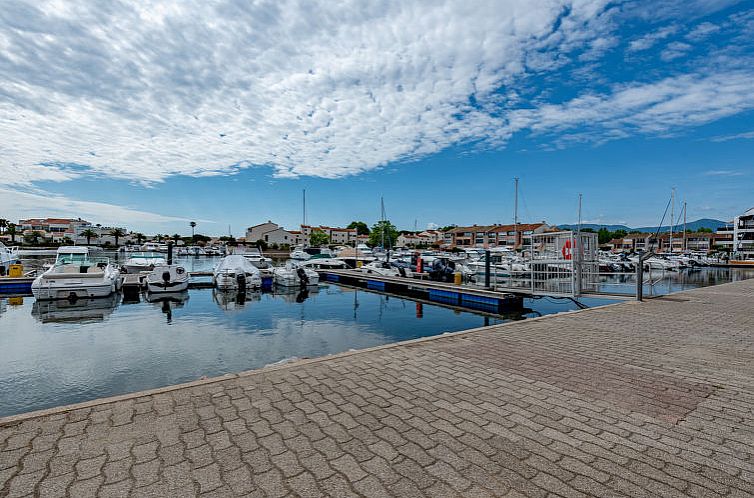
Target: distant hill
[(691, 226)]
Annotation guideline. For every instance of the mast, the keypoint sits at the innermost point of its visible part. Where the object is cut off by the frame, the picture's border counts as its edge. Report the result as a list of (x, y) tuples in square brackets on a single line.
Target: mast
[(684, 226), (672, 217), (382, 219), (304, 192), (578, 230), (515, 215)]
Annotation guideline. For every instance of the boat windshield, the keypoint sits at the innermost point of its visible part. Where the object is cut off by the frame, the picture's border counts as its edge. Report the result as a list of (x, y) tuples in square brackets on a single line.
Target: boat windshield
[(149, 255), (66, 258)]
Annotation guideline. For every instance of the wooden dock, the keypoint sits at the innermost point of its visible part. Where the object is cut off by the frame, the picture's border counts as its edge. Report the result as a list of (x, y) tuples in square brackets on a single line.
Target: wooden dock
[(459, 295)]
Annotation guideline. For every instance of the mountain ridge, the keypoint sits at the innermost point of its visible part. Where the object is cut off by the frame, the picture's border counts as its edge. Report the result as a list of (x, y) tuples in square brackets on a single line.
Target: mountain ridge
[(691, 226)]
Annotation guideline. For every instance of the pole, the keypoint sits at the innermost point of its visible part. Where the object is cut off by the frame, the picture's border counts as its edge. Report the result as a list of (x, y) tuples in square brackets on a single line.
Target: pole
[(515, 215), (304, 206), (672, 217), (170, 252), (487, 269), (684, 226)]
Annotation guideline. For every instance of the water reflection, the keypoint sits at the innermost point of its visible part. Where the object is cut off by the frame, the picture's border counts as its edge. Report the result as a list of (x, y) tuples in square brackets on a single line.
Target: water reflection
[(167, 301), (76, 311), (234, 300)]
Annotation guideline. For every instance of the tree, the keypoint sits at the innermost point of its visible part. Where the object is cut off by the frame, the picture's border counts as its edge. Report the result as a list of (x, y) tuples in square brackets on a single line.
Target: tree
[(3, 225), (67, 241), (192, 225), (176, 238), (261, 244), (704, 230), (33, 237), (604, 236), (318, 238), (12, 232), (383, 230), (117, 233), (89, 234), (139, 237), (446, 228), (360, 226)]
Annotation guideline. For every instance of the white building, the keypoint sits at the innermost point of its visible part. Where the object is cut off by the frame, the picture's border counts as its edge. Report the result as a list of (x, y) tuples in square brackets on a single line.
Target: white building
[(271, 233), (337, 235), (743, 234)]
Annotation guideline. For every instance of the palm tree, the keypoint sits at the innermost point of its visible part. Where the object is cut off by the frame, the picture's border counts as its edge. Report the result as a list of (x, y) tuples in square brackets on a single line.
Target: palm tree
[(192, 225), (117, 233), (33, 237), (3, 225), (89, 234), (159, 237), (12, 232), (139, 237), (176, 237)]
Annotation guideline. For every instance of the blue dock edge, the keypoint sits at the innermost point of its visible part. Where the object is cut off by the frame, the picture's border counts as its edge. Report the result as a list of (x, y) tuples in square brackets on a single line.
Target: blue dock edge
[(375, 285), (332, 278), (15, 286)]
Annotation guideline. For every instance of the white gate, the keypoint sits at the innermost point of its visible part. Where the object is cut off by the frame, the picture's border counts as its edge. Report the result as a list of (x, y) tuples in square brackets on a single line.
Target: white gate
[(563, 263)]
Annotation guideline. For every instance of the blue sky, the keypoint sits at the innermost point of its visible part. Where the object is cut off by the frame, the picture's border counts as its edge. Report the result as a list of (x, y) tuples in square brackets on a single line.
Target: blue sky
[(149, 115)]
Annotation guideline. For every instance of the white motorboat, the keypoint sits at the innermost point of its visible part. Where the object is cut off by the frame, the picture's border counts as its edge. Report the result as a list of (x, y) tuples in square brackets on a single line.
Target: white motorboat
[(154, 247), (75, 275), (143, 261), (8, 256), (256, 258), (235, 272), (298, 254), (324, 264), (386, 269), (167, 278), (294, 275)]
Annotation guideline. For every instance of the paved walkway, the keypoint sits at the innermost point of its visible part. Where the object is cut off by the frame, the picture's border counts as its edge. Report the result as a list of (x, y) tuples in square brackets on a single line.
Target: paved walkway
[(652, 399)]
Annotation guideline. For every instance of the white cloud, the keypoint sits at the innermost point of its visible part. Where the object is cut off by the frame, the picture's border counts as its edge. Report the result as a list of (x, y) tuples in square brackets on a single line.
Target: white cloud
[(657, 108), (648, 41), (738, 136), (674, 50), (702, 31), (723, 172), (17, 204), (145, 91)]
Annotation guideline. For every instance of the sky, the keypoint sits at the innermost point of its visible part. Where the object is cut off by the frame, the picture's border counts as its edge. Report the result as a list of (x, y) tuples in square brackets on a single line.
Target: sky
[(149, 115)]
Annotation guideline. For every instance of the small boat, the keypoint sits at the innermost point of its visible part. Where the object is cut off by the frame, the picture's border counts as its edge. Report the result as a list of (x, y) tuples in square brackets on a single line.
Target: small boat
[(8, 256), (256, 258), (235, 272), (75, 275), (143, 261), (386, 269), (324, 264), (294, 275), (167, 278)]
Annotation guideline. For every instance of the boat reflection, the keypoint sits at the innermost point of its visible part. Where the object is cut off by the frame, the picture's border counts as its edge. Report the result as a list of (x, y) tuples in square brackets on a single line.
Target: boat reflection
[(295, 294), (233, 300), (78, 310), (168, 301)]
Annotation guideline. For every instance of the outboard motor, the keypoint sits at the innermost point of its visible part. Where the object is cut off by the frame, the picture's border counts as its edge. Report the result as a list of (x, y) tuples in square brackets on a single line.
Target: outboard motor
[(401, 271), (302, 277), (241, 281), (166, 278)]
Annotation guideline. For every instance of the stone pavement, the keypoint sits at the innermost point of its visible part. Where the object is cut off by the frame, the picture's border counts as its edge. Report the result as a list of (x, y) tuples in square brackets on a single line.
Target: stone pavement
[(635, 399)]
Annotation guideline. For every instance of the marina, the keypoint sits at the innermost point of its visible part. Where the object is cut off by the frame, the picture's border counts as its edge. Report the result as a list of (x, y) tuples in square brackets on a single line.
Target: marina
[(566, 404)]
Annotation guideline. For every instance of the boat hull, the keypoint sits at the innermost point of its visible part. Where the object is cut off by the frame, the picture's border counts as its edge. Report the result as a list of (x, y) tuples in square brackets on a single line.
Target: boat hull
[(72, 291), (293, 280), (230, 283), (157, 287)]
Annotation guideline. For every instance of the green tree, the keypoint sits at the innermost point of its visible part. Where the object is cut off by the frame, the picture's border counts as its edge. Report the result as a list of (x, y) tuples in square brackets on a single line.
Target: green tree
[(704, 230), (446, 228), (604, 236), (319, 238), (3, 225), (89, 234), (33, 238), (383, 230), (261, 244), (117, 233), (360, 226), (619, 234), (12, 232), (139, 237), (176, 238)]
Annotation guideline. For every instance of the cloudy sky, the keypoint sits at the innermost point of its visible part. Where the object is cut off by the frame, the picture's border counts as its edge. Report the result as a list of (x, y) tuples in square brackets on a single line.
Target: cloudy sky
[(150, 114)]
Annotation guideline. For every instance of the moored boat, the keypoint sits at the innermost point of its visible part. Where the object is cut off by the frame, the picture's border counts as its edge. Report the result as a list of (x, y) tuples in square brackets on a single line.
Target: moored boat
[(235, 272), (294, 275), (143, 261), (75, 275), (167, 278)]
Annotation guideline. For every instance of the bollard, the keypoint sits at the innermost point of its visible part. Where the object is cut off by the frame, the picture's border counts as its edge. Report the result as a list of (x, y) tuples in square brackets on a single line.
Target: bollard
[(419, 264), (457, 278)]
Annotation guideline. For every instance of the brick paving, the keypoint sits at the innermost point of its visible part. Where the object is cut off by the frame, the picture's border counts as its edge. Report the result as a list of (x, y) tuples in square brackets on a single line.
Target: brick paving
[(636, 399)]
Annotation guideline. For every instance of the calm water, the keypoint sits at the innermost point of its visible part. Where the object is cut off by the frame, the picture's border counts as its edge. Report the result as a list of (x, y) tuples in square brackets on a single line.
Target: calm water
[(54, 353)]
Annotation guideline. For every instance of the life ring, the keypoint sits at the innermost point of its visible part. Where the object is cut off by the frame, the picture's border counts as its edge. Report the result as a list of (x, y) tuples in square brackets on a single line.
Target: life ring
[(567, 250)]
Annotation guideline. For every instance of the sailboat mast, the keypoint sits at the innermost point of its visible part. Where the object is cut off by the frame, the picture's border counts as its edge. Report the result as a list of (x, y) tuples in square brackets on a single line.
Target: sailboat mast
[(382, 219), (672, 217), (304, 204), (684, 226), (515, 214)]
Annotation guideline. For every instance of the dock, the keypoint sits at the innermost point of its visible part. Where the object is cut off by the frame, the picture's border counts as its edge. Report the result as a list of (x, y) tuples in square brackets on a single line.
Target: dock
[(650, 398), (465, 296), (15, 285)]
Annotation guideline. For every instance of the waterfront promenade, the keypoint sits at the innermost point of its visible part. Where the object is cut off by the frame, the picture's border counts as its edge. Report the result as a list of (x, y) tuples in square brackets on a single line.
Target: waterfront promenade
[(633, 399)]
